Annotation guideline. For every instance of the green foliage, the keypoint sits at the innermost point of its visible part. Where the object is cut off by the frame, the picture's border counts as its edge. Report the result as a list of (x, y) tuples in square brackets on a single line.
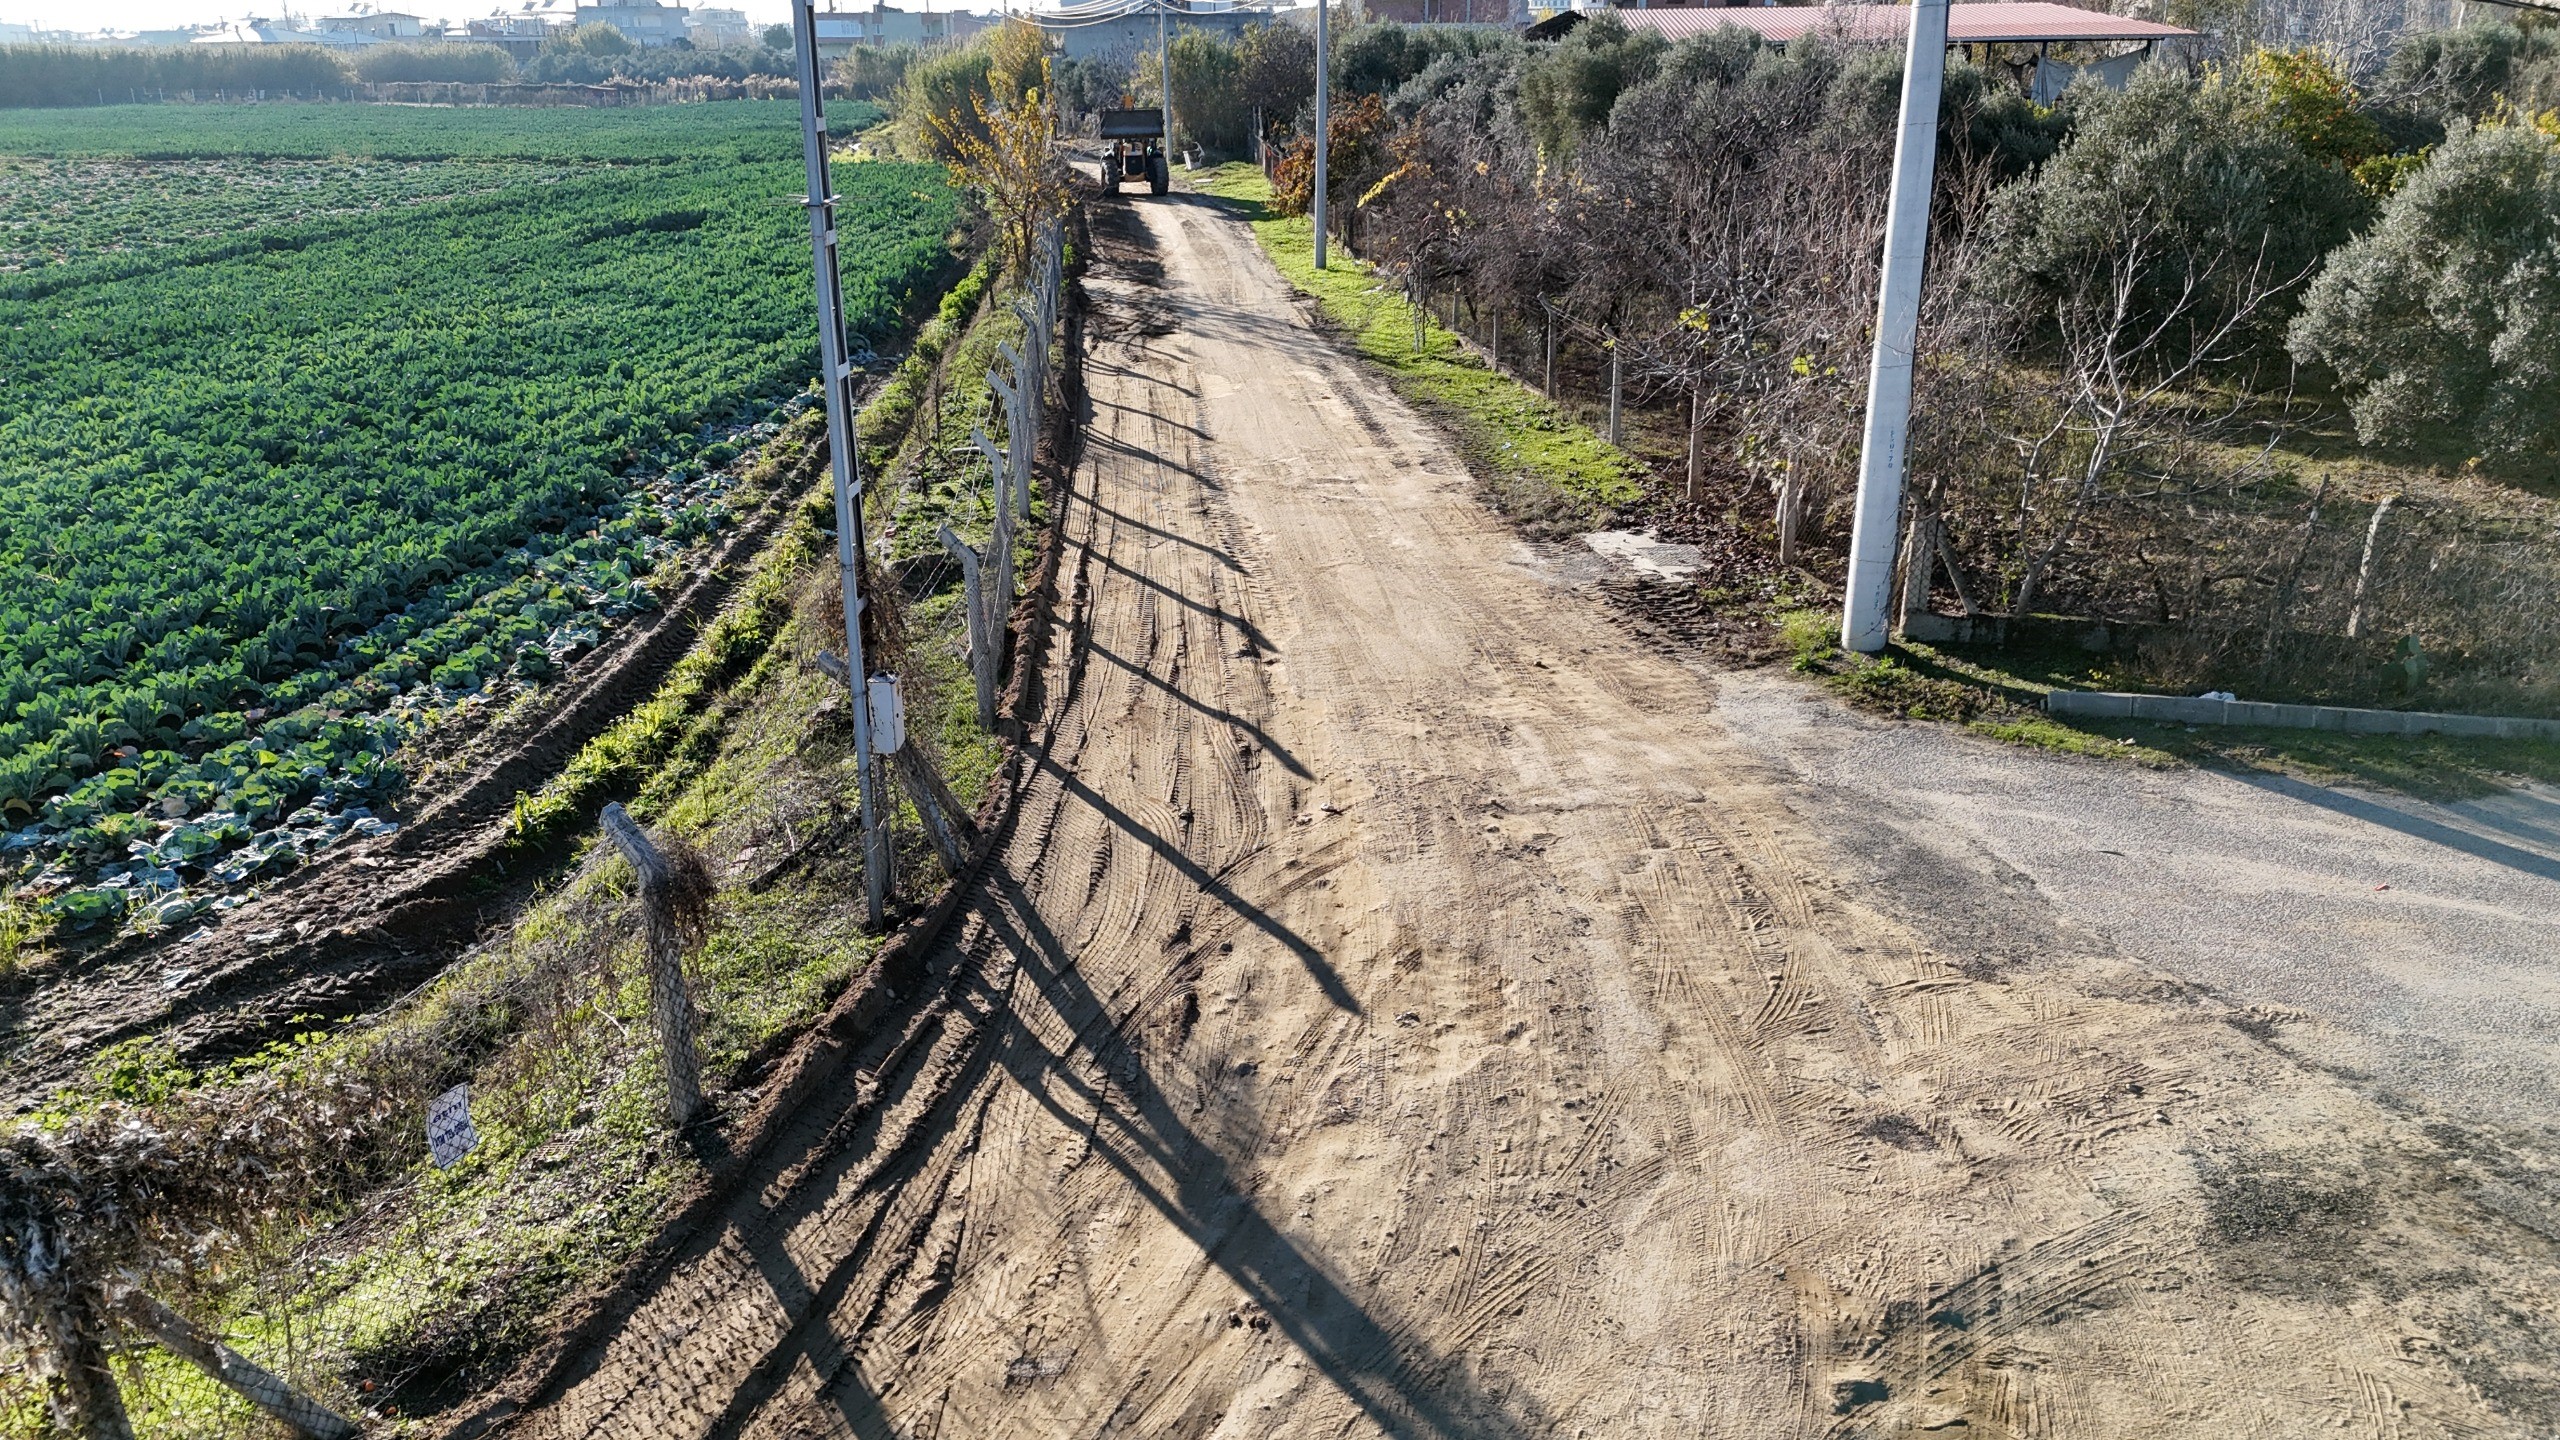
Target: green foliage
[(951, 84), (1809, 636), (2463, 74), (67, 210), (2182, 184), (256, 483), (2447, 313), (1378, 58), (1085, 87), (595, 38), (470, 64), (66, 75), (2303, 95), (1569, 90), (870, 72), (1208, 91), (1276, 74)]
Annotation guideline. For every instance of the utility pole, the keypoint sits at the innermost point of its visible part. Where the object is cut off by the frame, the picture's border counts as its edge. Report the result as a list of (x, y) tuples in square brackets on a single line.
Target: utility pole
[(1164, 74), (840, 443), (1324, 126), (1865, 618)]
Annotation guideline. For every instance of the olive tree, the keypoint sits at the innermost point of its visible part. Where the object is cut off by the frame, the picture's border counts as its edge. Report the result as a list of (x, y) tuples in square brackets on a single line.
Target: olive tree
[(2218, 197), (2447, 313)]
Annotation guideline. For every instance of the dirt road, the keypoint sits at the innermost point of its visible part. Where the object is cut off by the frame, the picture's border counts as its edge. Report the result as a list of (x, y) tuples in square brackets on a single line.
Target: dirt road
[(1402, 1008)]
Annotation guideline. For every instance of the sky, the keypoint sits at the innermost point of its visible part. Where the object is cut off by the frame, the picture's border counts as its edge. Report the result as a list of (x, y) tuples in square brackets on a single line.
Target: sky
[(165, 14)]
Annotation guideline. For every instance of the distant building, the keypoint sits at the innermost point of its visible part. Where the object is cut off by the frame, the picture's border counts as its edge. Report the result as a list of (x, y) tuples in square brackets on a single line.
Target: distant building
[(839, 31), (644, 23), (280, 32), (380, 24), (17, 34), (1459, 12), (520, 31), (1124, 36), (720, 29)]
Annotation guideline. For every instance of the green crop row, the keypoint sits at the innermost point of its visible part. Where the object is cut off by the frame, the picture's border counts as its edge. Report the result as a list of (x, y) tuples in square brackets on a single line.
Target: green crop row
[(68, 211), (263, 494)]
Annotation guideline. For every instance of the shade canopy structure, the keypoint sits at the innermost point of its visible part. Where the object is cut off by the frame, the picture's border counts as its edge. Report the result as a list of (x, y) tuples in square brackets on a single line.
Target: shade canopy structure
[(1993, 22)]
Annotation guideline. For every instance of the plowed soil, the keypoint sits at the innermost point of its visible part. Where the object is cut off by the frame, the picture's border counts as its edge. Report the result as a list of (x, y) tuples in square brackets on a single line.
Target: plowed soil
[(1400, 1007)]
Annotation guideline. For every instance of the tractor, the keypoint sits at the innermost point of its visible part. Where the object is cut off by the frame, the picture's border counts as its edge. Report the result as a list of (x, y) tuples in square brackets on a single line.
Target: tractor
[(1134, 150)]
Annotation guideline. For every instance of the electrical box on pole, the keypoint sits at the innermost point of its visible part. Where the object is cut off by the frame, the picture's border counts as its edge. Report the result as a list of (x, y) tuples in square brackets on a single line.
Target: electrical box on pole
[(1866, 614), (838, 383)]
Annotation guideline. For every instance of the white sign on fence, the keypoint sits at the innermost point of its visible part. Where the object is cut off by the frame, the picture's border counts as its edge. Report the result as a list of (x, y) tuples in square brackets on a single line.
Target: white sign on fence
[(449, 1132)]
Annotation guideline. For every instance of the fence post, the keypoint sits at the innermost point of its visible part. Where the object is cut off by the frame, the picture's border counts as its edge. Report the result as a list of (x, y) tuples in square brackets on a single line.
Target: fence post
[(296, 1411), (670, 1001), (982, 649), (2364, 568), (1616, 434), (89, 1386), (1551, 352), (1697, 422)]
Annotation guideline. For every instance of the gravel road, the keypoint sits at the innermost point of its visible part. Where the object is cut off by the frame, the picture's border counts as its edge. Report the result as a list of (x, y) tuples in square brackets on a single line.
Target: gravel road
[(1406, 1004), (2413, 945)]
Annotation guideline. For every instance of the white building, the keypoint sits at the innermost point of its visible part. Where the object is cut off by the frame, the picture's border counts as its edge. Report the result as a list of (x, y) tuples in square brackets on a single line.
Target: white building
[(644, 23), (839, 31), (521, 29), (380, 24), (279, 32), (17, 34), (720, 29)]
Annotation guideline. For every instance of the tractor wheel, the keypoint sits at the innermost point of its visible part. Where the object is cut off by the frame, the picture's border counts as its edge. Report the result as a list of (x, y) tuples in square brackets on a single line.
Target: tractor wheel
[(1159, 175), (1111, 175)]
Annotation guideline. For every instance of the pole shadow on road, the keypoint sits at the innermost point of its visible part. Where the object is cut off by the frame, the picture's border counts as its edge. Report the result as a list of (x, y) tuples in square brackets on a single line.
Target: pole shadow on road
[(1318, 968), (2419, 827), (1398, 1387)]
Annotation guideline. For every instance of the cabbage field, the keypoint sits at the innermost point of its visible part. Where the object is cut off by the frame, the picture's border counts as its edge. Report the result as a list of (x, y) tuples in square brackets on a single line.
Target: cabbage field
[(316, 419)]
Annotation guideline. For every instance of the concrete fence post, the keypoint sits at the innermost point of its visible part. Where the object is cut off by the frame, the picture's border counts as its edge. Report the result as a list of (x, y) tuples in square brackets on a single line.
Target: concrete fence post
[(982, 647), (2364, 567), (1617, 434), (670, 999)]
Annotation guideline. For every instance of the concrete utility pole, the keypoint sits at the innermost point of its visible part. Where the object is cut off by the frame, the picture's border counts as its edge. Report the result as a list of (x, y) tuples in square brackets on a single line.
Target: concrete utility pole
[(840, 443), (1865, 620), (1164, 73), (1324, 127)]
